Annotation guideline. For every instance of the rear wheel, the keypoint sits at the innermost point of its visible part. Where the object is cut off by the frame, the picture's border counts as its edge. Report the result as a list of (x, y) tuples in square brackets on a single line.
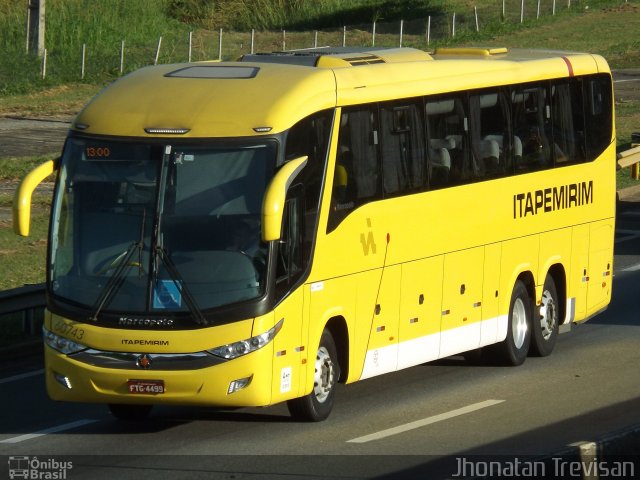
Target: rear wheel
[(513, 350), (129, 413), (545, 329), (317, 405)]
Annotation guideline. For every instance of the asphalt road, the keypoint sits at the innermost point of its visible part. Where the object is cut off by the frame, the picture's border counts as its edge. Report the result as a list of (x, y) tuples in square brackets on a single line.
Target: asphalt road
[(419, 420)]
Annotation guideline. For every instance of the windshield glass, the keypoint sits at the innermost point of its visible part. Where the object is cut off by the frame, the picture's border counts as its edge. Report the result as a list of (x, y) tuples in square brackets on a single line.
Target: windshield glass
[(139, 227)]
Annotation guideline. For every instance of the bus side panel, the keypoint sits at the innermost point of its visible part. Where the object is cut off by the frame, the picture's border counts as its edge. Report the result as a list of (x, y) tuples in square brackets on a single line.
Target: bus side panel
[(491, 294), (382, 350), (461, 301), (555, 248), (329, 299), (518, 256), (600, 265), (577, 292), (289, 349), (420, 310)]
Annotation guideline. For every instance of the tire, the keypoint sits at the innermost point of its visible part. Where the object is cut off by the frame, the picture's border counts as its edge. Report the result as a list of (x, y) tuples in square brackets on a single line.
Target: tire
[(317, 405), (546, 321), (513, 350), (130, 413)]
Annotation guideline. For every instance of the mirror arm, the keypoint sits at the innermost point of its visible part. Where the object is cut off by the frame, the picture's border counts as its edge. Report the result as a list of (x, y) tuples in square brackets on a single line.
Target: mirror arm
[(22, 197), (275, 196)]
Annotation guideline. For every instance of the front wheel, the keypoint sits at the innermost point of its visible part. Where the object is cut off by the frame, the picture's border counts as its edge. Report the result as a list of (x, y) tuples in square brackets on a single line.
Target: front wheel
[(545, 329), (317, 405), (513, 350)]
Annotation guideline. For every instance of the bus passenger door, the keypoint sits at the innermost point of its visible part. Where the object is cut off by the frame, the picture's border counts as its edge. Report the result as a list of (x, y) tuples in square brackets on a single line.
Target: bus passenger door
[(461, 301), (382, 351), (420, 301)]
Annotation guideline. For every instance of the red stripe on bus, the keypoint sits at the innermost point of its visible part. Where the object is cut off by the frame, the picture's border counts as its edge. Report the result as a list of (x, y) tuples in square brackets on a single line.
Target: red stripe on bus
[(569, 66)]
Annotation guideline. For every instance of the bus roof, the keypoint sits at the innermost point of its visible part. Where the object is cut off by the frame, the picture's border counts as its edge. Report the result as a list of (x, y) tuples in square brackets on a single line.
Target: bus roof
[(270, 92)]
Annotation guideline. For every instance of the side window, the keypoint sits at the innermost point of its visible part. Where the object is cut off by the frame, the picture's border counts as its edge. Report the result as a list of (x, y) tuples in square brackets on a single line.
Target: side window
[(357, 172), (402, 148), (598, 114), (568, 122), (449, 159), (491, 139), (308, 137), (532, 127), (289, 260)]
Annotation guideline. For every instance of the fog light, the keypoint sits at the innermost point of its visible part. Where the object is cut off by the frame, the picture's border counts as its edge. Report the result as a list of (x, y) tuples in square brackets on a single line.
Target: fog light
[(238, 384), (62, 380)]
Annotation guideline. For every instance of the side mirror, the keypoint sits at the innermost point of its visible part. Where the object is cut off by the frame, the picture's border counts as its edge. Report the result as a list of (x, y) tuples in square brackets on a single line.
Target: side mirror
[(22, 197), (273, 204)]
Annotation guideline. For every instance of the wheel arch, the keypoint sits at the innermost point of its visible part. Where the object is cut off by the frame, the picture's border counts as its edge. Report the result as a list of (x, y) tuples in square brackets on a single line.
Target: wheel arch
[(559, 275), (339, 330), (526, 277)]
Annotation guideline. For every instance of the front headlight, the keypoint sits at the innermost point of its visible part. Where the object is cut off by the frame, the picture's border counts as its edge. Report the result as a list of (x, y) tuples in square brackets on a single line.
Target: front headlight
[(237, 349), (61, 344)]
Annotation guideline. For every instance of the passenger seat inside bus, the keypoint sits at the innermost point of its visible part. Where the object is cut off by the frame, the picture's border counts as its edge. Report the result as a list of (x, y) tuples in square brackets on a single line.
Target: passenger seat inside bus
[(439, 161)]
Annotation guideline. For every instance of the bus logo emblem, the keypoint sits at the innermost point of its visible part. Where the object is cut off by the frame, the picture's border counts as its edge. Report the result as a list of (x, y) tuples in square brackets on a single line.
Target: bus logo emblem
[(144, 361), (368, 242)]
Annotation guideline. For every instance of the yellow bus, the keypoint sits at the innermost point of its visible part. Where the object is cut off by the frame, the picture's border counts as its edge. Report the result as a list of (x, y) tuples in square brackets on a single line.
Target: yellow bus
[(253, 232)]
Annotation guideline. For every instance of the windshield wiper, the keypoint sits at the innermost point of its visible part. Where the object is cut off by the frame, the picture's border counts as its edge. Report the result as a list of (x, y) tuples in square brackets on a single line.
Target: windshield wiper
[(178, 281), (159, 252), (116, 280), (121, 263)]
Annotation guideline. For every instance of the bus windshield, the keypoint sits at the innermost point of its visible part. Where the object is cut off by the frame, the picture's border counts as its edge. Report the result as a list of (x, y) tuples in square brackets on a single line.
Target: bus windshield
[(152, 228)]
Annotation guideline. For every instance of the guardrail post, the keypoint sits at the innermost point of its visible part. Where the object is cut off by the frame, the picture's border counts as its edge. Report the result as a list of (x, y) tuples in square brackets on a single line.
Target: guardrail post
[(635, 168), (27, 322)]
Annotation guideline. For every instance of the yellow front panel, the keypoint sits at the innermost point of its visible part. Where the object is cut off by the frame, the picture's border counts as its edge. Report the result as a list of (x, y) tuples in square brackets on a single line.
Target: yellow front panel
[(207, 386), (153, 341)]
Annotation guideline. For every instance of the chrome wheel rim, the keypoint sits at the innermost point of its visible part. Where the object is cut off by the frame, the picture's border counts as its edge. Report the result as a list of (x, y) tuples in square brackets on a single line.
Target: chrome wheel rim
[(519, 323), (323, 378), (548, 315)]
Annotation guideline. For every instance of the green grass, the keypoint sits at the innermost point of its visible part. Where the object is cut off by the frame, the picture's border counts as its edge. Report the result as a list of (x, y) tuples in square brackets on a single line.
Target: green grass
[(16, 168), (100, 26), (23, 259)]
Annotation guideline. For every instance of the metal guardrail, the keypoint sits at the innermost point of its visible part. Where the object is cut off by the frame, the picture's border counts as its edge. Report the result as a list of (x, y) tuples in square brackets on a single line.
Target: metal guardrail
[(25, 299), (631, 157)]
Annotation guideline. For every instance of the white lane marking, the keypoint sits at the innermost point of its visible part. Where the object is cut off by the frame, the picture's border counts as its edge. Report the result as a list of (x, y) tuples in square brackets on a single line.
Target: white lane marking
[(627, 80), (629, 235), (21, 376), (424, 422), (59, 428), (632, 268)]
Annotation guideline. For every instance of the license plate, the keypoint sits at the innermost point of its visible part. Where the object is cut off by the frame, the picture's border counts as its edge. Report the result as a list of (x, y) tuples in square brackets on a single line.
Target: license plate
[(146, 387)]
